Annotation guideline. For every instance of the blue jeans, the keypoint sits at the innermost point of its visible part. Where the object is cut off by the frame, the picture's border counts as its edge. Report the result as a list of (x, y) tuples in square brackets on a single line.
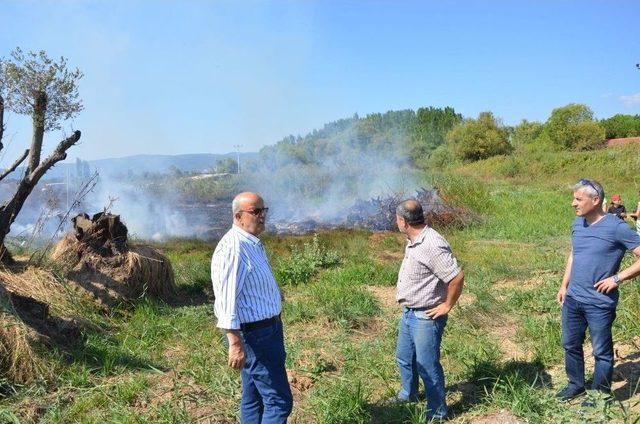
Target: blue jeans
[(576, 317), (266, 395), (418, 355)]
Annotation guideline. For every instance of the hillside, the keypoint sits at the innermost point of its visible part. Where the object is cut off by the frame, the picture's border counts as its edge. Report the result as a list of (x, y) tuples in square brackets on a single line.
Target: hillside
[(158, 362)]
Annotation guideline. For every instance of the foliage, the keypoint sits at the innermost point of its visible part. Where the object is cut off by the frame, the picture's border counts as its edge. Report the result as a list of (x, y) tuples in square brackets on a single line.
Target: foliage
[(228, 165), (441, 158), (305, 262), (480, 138), (621, 126), (394, 133), (526, 132), (573, 127), (28, 74), (429, 130)]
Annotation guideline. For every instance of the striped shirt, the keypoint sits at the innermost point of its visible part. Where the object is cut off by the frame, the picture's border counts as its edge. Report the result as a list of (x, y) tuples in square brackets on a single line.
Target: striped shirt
[(243, 283), (426, 270)]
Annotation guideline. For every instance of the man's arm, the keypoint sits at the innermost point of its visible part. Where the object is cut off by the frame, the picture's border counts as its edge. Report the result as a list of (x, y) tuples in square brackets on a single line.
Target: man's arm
[(228, 275), (453, 293), (608, 284), (565, 279)]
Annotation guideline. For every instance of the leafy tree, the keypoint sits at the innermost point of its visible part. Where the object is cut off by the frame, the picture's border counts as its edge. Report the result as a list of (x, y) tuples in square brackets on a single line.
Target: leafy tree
[(430, 129), (525, 132), (573, 127), (228, 165), (620, 126), (33, 84), (475, 139)]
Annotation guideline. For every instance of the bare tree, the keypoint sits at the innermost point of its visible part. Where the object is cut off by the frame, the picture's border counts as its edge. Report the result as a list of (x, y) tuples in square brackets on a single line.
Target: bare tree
[(33, 84)]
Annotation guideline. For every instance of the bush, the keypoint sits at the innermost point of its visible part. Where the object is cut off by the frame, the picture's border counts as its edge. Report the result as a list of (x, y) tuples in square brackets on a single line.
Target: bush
[(620, 126), (573, 127), (305, 262), (476, 139), (441, 158), (525, 133)]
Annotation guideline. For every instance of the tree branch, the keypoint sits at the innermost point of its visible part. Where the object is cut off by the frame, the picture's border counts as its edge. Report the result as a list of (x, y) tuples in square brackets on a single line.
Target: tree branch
[(60, 153), (15, 165), (1, 120)]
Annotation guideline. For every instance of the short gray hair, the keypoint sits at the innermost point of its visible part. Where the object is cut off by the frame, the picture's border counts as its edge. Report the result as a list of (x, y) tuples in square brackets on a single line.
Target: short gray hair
[(592, 188), (411, 211)]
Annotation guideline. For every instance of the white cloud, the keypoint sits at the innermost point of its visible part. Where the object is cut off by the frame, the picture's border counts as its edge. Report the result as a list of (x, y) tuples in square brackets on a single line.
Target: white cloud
[(631, 100)]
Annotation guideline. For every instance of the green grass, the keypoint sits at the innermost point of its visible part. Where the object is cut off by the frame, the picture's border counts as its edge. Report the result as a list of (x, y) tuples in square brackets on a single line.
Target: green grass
[(153, 362)]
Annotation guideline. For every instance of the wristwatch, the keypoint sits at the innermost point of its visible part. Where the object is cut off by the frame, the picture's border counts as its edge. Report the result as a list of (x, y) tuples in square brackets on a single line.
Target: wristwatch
[(616, 279)]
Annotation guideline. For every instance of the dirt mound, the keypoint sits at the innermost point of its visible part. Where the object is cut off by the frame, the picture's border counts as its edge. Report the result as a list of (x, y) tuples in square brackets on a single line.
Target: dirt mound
[(137, 272)]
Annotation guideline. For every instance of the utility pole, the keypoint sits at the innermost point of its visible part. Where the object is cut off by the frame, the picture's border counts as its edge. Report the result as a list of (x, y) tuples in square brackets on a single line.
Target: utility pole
[(237, 147)]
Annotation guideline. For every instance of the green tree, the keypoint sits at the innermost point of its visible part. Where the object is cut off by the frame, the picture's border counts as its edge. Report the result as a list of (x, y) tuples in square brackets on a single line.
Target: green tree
[(227, 165), (429, 130), (525, 133), (620, 126), (33, 84), (475, 139), (573, 127)]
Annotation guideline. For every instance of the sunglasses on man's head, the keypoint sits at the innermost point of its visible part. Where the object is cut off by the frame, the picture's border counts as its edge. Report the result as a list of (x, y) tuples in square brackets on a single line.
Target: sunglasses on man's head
[(589, 183), (256, 211)]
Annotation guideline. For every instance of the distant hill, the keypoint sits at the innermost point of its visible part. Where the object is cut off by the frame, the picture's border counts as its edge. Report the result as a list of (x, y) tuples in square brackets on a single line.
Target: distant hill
[(139, 164)]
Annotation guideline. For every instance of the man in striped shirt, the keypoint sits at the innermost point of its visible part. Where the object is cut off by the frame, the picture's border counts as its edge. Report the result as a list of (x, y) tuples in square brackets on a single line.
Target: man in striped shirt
[(248, 305), (429, 284)]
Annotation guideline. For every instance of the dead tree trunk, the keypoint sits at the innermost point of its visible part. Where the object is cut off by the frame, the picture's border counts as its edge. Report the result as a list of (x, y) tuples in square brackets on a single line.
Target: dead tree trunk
[(1, 120), (9, 210)]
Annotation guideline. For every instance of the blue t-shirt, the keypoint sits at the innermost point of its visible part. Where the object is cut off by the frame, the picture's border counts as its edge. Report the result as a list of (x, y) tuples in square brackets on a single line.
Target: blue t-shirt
[(598, 250)]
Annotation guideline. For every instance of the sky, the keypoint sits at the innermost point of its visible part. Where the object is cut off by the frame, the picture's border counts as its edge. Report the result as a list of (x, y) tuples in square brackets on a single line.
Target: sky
[(176, 77)]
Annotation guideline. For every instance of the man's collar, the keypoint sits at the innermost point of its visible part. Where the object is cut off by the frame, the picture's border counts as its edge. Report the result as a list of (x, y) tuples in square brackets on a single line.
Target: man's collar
[(248, 236), (420, 237)]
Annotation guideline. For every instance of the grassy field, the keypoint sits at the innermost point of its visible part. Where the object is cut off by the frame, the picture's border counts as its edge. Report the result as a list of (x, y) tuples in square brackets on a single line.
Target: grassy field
[(501, 351)]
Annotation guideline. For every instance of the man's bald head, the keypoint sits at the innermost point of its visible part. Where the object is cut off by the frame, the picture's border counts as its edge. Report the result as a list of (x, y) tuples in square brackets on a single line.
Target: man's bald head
[(249, 212), (244, 200), (411, 211)]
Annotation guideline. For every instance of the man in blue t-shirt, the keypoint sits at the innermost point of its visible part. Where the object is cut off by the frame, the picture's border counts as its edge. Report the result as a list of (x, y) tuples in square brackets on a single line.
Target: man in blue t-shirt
[(589, 290)]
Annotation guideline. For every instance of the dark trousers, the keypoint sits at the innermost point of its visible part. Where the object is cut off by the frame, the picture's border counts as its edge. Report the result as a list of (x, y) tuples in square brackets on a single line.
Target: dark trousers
[(266, 395), (576, 317)]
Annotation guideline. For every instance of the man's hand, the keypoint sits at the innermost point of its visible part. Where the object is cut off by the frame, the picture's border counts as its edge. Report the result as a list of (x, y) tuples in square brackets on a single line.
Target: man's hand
[(562, 293), (440, 310), (236, 350), (606, 286)]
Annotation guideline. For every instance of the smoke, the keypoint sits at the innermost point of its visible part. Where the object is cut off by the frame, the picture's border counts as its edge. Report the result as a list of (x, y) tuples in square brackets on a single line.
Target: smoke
[(327, 187), (318, 179)]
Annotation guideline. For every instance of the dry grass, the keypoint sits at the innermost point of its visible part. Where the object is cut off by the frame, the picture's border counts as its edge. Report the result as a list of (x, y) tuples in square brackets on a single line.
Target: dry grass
[(42, 285), (140, 271), (18, 362)]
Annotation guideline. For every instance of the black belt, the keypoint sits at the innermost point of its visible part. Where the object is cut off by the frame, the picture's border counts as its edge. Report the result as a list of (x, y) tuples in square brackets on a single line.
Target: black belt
[(248, 326)]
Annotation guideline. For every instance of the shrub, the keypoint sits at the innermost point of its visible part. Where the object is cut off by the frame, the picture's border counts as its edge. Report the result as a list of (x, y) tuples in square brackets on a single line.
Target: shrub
[(525, 133), (476, 139), (305, 262), (442, 157), (573, 127)]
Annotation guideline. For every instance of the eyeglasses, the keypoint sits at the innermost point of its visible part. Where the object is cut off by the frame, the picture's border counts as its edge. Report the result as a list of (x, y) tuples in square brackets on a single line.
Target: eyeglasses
[(256, 211), (590, 183)]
